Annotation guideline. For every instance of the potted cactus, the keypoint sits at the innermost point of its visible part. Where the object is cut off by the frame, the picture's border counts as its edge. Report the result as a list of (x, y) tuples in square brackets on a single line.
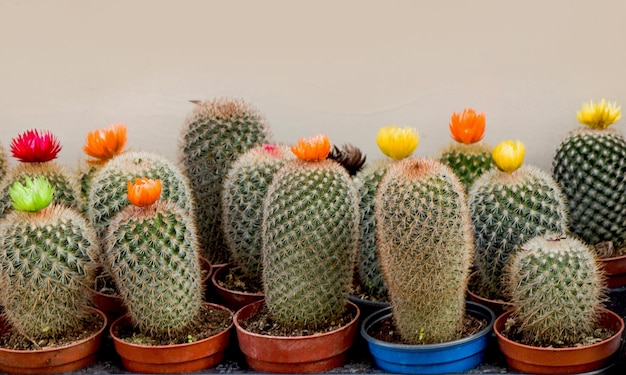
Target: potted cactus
[(47, 264), (556, 289), (424, 237), (152, 254), (309, 243), (590, 166)]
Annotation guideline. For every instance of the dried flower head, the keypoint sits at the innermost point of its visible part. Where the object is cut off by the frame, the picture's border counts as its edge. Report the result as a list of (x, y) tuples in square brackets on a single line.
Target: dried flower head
[(104, 144), (397, 143), (599, 115), (33, 146), (144, 191), (468, 126), (314, 149), (509, 155), (349, 156), (35, 195)]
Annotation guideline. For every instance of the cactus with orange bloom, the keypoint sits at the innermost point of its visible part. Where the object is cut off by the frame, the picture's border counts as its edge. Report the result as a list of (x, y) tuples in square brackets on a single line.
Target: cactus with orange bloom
[(309, 238), (466, 156)]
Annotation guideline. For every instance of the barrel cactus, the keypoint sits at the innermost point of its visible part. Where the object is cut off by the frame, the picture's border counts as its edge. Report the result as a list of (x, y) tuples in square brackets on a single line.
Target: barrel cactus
[(590, 166), (309, 238), (510, 205), (152, 254), (556, 289), (212, 138), (47, 263)]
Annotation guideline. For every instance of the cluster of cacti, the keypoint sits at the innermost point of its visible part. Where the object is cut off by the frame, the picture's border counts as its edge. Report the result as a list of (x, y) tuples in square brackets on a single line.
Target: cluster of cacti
[(556, 289), (47, 262), (590, 166), (509, 206), (426, 248), (310, 236), (467, 158), (245, 187), (212, 138), (152, 254)]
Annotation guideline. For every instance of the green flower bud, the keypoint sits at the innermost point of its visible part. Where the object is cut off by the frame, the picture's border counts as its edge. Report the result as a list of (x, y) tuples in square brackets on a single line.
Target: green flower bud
[(33, 196)]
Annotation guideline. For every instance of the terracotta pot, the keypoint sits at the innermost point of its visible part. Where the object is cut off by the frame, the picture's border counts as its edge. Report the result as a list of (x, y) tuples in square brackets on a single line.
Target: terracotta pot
[(178, 358), (615, 269), (297, 354), (538, 360), (111, 305), (55, 360), (498, 307), (233, 299)]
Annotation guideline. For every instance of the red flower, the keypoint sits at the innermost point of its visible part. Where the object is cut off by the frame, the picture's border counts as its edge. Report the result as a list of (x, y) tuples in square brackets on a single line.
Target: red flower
[(35, 147)]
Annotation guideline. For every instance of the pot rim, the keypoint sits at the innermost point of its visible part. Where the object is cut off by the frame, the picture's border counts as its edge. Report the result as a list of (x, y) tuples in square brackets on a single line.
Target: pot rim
[(221, 269)]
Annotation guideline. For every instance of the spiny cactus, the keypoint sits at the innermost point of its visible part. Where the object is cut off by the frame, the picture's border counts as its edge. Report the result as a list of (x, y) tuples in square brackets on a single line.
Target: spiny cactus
[(590, 166), (152, 255), (47, 263), (4, 163), (556, 291), (508, 207), (310, 237), (245, 186), (212, 138), (426, 248)]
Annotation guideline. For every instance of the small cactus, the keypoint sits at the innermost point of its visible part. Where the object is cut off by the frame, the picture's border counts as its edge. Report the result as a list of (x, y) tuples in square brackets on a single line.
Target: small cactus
[(4, 163)]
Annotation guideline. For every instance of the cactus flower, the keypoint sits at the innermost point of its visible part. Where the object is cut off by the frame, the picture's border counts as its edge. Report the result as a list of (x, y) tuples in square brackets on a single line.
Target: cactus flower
[(509, 155), (144, 191), (33, 146), (104, 144), (36, 194), (467, 127), (314, 149), (397, 143), (599, 115)]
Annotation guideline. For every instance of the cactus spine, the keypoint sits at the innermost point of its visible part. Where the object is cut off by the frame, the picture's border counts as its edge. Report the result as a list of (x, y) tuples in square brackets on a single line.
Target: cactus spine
[(556, 290), (212, 138), (425, 245)]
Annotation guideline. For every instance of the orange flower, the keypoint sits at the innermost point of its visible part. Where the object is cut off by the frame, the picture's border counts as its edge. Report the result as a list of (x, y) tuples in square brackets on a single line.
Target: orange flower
[(314, 149), (144, 191), (467, 127), (104, 144)]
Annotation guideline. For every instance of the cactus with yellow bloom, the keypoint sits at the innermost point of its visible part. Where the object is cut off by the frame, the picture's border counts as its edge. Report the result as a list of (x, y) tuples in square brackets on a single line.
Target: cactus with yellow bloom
[(509, 205), (590, 166)]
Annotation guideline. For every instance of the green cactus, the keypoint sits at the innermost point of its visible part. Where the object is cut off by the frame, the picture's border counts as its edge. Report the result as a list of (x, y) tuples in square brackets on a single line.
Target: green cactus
[(107, 195), (84, 176), (245, 186), (212, 138), (426, 248), (4, 163), (508, 209), (310, 238), (468, 161), (152, 256), (556, 289), (47, 264)]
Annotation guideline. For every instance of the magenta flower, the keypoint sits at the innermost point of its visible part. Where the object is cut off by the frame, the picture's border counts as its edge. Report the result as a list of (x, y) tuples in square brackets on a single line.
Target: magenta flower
[(33, 146)]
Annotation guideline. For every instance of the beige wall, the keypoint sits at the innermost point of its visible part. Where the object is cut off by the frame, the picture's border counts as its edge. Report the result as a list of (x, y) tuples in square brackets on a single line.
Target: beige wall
[(342, 67)]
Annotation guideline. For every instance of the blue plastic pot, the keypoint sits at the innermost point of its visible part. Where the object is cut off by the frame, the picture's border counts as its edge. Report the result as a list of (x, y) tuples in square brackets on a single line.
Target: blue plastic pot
[(443, 358)]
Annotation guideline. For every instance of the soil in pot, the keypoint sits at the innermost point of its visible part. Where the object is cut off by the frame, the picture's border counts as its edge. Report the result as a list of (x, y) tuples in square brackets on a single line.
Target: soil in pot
[(234, 288)]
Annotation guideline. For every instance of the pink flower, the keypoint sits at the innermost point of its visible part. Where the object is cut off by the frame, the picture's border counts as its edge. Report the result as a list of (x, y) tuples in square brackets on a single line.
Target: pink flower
[(35, 147)]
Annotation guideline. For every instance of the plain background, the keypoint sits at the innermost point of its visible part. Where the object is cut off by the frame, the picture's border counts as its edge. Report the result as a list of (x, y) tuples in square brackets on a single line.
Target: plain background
[(345, 68)]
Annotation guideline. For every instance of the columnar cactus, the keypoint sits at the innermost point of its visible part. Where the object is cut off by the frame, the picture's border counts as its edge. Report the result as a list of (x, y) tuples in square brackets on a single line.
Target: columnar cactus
[(556, 290), (47, 262), (212, 138), (590, 166), (245, 187), (310, 238), (426, 248), (509, 206), (152, 255), (467, 158)]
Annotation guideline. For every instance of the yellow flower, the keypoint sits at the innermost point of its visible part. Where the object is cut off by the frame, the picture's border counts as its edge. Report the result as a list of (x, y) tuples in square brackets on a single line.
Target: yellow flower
[(599, 115), (509, 155), (397, 143)]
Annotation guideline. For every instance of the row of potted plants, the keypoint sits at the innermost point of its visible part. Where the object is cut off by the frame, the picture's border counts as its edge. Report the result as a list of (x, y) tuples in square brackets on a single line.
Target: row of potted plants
[(294, 222)]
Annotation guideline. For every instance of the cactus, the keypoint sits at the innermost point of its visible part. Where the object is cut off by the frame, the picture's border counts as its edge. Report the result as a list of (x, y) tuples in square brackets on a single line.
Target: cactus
[(310, 238), (556, 291), (152, 255), (212, 138), (245, 186), (508, 207), (426, 248), (467, 158), (4, 163), (47, 262), (590, 166)]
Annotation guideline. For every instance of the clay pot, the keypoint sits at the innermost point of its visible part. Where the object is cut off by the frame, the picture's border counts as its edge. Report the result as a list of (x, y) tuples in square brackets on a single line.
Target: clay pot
[(178, 358), (498, 307), (539, 360), (296, 354), (615, 269), (233, 299), (110, 304), (54, 360)]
